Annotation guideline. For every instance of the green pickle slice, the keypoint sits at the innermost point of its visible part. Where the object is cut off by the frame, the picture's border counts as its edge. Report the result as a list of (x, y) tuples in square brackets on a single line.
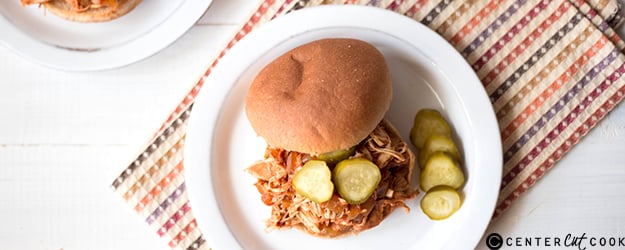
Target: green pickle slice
[(336, 156), (438, 143), (440, 202), (441, 170), (314, 181), (356, 179), (426, 123)]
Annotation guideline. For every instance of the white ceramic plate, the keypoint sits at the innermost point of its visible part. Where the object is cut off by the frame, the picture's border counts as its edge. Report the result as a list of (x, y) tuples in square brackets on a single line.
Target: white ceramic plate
[(426, 72), (61, 44)]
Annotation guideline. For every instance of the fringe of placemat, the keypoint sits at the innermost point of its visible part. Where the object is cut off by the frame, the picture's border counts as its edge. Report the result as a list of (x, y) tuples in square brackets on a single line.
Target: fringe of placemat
[(606, 19), (611, 11), (154, 183)]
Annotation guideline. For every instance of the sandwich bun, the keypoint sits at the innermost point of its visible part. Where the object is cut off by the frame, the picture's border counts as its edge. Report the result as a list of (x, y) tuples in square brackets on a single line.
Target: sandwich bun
[(102, 14), (322, 96)]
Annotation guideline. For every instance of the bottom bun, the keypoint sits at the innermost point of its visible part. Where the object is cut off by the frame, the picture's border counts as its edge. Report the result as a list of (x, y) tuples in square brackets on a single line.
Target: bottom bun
[(62, 9)]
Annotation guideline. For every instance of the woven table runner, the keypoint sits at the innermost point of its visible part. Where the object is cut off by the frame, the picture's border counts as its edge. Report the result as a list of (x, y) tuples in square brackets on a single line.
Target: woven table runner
[(552, 70)]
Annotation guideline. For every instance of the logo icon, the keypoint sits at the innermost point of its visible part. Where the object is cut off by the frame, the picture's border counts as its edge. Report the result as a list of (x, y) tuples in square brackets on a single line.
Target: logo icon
[(494, 241)]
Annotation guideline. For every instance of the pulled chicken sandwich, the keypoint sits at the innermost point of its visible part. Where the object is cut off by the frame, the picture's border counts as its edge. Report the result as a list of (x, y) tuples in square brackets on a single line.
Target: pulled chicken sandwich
[(333, 165), (86, 10)]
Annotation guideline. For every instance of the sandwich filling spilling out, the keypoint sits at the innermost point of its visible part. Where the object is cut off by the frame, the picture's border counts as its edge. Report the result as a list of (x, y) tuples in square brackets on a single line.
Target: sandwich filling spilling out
[(335, 217), (79, 5)]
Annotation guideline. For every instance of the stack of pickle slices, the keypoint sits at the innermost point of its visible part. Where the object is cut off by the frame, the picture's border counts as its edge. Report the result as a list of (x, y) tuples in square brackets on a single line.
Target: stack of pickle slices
[(440, 162)]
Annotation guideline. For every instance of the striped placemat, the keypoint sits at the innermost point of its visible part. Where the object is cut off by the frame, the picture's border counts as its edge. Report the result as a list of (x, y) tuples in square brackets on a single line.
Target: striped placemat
[(552, 70)]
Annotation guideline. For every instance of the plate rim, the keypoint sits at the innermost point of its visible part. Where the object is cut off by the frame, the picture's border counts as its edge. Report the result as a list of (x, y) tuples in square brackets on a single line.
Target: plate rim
[(211, 119), (163, 34)]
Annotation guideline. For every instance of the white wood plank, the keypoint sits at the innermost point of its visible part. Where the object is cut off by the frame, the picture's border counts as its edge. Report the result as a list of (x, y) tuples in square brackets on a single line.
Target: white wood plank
[(59, 197), (116, 107)]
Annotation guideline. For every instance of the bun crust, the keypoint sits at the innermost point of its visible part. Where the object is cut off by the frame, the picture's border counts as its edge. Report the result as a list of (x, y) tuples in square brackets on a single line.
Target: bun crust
[(321, 96), (62, 9)]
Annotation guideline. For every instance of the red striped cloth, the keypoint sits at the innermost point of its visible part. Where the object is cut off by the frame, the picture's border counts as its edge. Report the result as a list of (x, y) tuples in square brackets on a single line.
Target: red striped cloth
[(552, 70)]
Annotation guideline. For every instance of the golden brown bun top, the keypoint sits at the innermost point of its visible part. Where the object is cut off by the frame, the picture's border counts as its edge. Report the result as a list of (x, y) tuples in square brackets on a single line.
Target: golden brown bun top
[(322, 96), (102, 14)]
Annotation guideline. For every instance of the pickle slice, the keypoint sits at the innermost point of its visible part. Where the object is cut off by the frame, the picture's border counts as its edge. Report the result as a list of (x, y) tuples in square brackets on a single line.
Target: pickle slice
[(426, 123), (436, 143), (314, 181), (441, 170), (440, 202), (337, 155), (356, 179)]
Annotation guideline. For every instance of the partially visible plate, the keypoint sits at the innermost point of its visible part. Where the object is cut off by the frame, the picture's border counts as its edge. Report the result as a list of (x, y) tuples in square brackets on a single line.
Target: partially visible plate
[(61, 44), (427, 73)]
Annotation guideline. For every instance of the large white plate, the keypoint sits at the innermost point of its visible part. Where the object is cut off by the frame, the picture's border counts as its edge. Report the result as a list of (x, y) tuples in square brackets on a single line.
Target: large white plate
[(426, 72), (61, 44)]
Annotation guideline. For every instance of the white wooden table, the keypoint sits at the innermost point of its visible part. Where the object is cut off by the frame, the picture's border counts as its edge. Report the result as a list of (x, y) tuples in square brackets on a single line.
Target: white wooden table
[(64, 136)]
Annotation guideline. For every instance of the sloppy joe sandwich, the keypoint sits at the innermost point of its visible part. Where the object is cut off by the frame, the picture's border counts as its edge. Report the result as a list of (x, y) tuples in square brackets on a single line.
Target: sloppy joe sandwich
[(333, 165), (86, 10)]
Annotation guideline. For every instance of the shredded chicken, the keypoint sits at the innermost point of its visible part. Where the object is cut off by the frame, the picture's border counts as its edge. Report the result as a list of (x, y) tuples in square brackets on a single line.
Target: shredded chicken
[(78, 5), (336, 217), (29, 2)]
